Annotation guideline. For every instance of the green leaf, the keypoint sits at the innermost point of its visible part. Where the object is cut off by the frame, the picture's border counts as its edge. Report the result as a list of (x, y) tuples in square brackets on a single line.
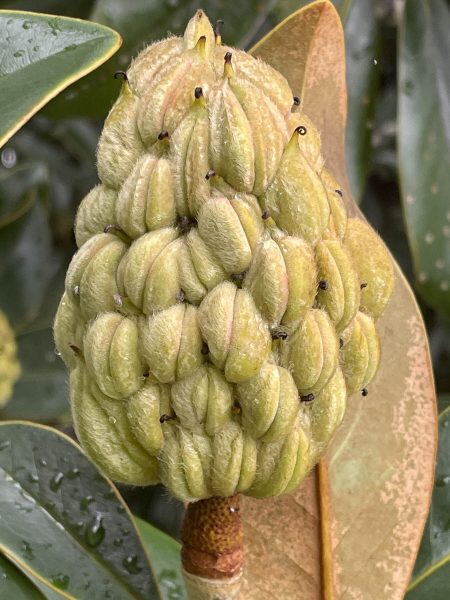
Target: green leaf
[(14, 585), (443, 403), (42, 55), (65, 522), (41, 392), (431, 578), (141, 22), (28, 262), (361, 42), (80, 9), (424, 144), (164, 554), (17, 187)]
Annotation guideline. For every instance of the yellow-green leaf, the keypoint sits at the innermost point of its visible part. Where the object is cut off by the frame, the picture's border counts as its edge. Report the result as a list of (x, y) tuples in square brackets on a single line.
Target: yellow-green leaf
[(40, 55)]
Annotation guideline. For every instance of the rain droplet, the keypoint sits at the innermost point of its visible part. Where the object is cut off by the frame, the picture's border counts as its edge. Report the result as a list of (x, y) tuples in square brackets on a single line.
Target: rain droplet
[(84, 502), (445, 285), (43, 462), (95, 532), (9, 158), (33, 478), (19, 53), (27, 552), (442, 481), (61, 581), (56, 481), (422, 277), (118, 541), (112, 420), (131, 564), (73, 473), (4, 445), (429, 237), (27, 24)]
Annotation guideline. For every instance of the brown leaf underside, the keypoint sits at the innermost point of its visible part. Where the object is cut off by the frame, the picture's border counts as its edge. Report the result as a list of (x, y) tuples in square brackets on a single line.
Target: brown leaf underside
[(352, 529)]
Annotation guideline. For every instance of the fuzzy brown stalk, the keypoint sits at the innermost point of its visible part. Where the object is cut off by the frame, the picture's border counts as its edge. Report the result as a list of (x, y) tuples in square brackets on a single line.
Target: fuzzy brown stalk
[(213, 552)]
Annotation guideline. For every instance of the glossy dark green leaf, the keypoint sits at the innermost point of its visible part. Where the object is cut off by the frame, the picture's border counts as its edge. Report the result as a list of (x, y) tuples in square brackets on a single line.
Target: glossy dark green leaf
[(361, 42), (64, 521), (164, 554), (28, 262), (17, 190), (431, 578), (424, 144), (42, 55), (14, 585), (141, 22), (41, 392), (79, 9)]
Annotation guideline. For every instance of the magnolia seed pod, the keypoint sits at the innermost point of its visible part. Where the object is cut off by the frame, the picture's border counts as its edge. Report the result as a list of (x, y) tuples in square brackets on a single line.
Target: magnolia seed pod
[(120, 145), (236, 222), (186, 463), (301, 273), (269, 403), (150, 61), (296, 198), (267, 281), (276, 464), (172, 344), (102, 427), (146, 200), (326, 413), (337, 224), (190, 161), (9, 365), (269, 133), (373, 265), (96, 211), (68, 331), (339, 288), (149, 282), (233, 466), (166, 101), (144, 411), (309, 140), (238, 339), (111, 352), (360, 353), (203, 401), (199, 269), (311, 352), (217, 269), (91, 277)]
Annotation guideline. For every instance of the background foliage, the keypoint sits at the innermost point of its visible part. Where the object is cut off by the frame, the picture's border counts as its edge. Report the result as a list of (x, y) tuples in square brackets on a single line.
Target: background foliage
[(398, 141)]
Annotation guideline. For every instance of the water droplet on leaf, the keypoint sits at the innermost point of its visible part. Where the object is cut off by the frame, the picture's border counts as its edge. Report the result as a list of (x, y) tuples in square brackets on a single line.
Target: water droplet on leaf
[(95, 532), (56, 481)]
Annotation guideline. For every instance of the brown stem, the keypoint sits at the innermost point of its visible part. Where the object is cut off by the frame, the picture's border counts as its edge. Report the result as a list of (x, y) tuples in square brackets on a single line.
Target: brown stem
[(212, 537)]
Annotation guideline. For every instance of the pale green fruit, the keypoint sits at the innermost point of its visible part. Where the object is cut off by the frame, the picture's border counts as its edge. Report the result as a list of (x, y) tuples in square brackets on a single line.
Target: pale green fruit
[(360, 354), (9, 364), (216, 276)]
